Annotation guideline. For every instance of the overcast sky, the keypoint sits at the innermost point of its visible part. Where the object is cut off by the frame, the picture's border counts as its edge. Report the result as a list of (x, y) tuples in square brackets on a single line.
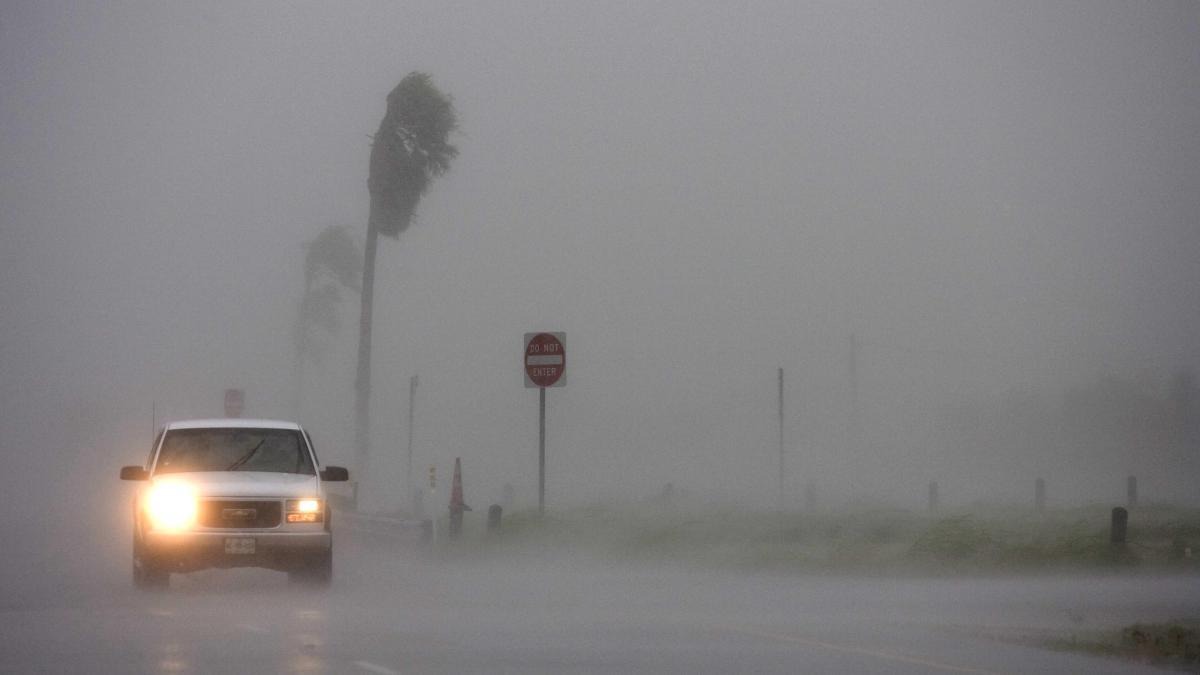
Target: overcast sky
[(990, 196)]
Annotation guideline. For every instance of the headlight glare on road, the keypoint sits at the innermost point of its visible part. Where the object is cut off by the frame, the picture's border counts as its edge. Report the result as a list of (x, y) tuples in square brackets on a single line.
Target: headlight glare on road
[(171, 506)]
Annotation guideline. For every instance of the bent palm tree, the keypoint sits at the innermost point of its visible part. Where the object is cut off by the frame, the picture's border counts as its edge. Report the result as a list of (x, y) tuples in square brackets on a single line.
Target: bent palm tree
[(331, 262), (410, 149)]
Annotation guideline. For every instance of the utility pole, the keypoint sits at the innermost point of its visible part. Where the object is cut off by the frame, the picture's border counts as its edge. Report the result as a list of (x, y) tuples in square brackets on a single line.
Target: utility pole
[(853, 422), (780, 497), (433, 500), (412, 396)]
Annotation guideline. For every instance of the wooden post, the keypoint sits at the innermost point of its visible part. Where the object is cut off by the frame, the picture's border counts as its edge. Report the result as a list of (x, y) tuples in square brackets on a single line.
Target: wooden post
[(1120, 526)]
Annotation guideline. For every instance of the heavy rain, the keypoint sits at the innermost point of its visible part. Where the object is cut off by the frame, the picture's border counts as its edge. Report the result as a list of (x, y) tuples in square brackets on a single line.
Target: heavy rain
[(655, 337)]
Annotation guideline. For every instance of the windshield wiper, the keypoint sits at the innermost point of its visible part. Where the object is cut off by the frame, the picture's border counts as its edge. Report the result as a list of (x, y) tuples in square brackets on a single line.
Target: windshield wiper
[(246, 457)]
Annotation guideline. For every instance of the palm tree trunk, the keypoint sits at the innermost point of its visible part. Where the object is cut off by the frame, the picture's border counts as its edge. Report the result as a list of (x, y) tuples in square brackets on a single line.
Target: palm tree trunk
[(362, 383)]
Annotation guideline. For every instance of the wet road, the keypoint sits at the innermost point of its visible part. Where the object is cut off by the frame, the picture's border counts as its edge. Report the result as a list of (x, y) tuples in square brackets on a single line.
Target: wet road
[(395, 610)]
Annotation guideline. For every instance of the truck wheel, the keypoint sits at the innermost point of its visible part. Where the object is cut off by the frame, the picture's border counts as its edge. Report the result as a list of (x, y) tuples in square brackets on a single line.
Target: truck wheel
[(149, 577), (316, 571)]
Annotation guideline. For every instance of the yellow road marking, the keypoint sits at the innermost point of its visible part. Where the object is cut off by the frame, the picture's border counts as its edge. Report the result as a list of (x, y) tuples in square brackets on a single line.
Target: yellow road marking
[(886, 656)]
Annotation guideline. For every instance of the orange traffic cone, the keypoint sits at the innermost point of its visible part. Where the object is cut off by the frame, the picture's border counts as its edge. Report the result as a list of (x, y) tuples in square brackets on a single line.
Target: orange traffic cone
[(456, 488)]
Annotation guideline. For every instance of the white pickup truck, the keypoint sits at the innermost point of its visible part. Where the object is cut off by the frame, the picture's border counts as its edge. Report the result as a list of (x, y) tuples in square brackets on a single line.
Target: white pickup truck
[(232, 493)]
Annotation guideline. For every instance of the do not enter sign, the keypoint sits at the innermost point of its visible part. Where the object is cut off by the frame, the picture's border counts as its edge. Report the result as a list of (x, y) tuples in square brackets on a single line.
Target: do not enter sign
[(545, 366), (545, 360)]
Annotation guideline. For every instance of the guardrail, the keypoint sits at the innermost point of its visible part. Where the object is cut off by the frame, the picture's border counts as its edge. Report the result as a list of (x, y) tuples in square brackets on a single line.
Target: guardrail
[(398, 528)]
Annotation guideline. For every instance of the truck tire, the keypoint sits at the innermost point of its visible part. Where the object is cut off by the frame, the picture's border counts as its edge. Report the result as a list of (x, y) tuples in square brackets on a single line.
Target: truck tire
[(147, 575), (316, 571)]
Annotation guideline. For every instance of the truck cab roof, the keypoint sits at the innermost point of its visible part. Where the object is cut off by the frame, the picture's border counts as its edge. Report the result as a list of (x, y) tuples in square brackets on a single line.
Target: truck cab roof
[(231, 423)]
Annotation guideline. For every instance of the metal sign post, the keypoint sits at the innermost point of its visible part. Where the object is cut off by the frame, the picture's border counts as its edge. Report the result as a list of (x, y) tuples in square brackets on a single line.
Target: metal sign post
[(541, 450), (545, 366)]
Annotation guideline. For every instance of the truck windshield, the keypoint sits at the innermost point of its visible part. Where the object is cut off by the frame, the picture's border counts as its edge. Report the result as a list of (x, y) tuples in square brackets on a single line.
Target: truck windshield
[(238, 449)]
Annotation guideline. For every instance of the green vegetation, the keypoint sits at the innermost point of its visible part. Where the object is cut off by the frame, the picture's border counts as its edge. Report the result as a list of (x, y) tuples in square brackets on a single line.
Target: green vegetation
[(956, 538), (978, 540), (1174, 644)]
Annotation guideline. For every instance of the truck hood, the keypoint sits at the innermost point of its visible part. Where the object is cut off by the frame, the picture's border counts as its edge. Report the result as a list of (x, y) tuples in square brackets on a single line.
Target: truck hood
[(245, 484)]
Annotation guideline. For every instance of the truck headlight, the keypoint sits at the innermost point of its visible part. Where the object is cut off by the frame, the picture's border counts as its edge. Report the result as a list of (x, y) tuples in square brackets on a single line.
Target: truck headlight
[(171, 506), (305, 511)]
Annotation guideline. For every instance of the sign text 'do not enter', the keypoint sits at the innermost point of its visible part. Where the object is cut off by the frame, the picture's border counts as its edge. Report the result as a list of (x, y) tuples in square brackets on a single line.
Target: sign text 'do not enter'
[(545, 359)]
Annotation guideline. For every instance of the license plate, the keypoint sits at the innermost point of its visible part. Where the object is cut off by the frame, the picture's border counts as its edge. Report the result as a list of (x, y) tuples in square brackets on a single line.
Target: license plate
[(239, 545)]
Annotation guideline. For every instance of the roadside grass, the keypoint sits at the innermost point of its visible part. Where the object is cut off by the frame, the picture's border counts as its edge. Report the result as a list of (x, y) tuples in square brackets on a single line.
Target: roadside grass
[(980, 539), (1174, 644)]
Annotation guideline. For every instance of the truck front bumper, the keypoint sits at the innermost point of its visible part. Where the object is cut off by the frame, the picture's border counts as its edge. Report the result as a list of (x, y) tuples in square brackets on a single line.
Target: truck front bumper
[(188, 551)]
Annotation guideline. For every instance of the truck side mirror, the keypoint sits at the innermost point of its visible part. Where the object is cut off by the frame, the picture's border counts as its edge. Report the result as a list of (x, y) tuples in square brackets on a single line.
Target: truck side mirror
[(335, 474), (134, 473)]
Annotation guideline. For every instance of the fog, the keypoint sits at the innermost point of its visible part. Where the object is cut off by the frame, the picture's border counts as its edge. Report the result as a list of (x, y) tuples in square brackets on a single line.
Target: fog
[(997, 201), (967, 233)]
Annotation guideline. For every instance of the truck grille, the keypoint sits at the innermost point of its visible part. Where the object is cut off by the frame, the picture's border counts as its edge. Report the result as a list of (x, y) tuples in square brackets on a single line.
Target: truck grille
[(239, 513)]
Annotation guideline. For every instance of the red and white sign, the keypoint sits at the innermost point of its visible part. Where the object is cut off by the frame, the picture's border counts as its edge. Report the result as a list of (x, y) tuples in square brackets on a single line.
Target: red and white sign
[(233, 402), (545, 360)]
